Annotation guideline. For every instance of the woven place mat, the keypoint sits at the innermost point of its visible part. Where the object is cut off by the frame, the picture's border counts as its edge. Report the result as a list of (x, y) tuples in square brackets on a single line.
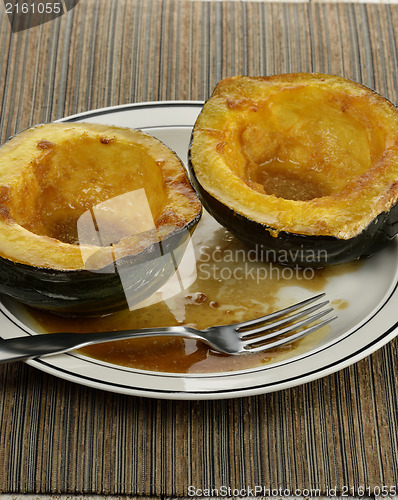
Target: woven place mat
[(340, 431)]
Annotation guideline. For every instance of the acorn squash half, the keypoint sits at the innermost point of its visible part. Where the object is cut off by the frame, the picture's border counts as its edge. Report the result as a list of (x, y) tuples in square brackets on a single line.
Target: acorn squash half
[(83, 204), (302, 166)]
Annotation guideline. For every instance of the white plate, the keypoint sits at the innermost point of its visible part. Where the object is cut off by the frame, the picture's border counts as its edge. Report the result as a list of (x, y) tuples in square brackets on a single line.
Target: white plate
[(368, 322)]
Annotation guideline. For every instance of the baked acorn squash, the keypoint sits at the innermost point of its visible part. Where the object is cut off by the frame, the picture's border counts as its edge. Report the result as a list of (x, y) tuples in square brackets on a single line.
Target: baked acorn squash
[(81, 205), (302, 166)]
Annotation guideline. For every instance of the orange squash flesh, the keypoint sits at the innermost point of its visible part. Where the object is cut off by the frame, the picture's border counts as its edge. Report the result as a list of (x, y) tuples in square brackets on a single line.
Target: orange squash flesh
[(306, 155)]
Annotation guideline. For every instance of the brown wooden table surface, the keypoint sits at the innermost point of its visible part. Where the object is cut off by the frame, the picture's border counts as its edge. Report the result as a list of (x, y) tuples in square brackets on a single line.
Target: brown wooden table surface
[(58, 437)]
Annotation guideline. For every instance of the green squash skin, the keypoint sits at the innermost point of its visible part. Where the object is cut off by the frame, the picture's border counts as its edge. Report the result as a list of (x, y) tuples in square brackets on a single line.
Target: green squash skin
[(74, 293), (84, 293), (293, 249)]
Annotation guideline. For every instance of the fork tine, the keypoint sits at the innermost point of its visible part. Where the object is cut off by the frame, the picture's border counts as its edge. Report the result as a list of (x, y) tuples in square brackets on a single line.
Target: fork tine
[(287, 329), (291, 338), (284, 321), (279, 313)]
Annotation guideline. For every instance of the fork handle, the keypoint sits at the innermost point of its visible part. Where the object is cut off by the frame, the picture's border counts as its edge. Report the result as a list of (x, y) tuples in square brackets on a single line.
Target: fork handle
[(34, 346)]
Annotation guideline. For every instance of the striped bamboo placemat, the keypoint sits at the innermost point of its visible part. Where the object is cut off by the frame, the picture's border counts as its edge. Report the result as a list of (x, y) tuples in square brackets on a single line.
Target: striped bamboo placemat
[(340, 431)]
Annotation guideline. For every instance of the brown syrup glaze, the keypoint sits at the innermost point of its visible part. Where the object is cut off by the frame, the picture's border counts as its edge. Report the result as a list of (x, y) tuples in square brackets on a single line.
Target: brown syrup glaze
[(230, 287)]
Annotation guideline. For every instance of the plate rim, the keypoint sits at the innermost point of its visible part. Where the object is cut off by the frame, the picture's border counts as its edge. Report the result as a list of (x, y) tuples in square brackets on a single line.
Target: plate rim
[(129, 106)]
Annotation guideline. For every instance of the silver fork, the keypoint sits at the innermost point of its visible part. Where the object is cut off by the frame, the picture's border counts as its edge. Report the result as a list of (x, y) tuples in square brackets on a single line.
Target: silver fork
[(260, 334)]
